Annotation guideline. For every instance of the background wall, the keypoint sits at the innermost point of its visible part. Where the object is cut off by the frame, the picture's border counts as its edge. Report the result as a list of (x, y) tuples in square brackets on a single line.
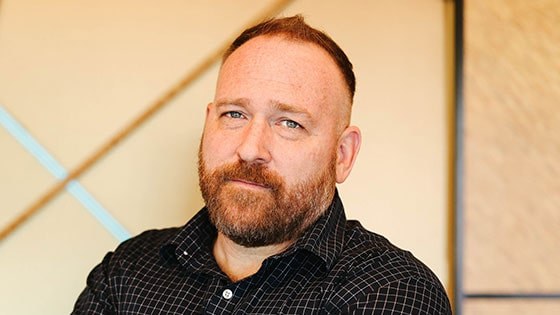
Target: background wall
[(75, 73), (512, 157)]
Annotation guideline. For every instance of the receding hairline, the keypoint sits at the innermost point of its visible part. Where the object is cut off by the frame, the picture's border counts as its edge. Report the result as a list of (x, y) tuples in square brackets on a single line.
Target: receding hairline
[(296, 29)]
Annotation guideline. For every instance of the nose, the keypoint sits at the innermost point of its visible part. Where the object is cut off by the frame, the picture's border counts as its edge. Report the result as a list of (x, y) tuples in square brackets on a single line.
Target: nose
[(255, 141)]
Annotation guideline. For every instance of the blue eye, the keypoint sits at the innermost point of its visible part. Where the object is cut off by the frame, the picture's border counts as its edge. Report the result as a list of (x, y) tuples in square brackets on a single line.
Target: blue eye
[(234, 114), (291, 124)]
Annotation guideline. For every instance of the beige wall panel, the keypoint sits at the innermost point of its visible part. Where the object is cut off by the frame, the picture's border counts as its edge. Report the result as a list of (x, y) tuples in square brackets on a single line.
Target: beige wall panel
[(22, 178), (512, 93), (509, 307), (150, 180), (44, 266), (399, 184), (77, 72)]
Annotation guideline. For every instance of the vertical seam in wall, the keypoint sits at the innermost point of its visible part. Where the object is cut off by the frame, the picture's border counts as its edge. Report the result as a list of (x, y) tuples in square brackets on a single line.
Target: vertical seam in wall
[(459, 157), (449, 79)]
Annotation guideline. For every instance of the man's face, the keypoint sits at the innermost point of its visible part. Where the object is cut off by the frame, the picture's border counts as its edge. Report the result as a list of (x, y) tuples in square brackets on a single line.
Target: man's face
[(267, 160)]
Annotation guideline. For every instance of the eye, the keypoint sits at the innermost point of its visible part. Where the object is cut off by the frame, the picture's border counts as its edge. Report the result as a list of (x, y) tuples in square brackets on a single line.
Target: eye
[(290, 124), (233, 114)]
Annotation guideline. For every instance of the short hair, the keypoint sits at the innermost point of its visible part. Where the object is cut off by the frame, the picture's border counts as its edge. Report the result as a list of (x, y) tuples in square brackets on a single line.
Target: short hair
[(295, 28)]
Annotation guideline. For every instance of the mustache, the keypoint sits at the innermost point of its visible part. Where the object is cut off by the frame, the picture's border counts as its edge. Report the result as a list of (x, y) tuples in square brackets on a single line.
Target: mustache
[(254, 173)]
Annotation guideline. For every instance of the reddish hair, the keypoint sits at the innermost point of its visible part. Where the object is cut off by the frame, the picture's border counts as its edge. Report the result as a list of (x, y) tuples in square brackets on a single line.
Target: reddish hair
[(295, 28)]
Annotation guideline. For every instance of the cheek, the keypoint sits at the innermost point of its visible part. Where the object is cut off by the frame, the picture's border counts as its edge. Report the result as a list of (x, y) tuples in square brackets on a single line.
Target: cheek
[(297, 164), (216, 150)]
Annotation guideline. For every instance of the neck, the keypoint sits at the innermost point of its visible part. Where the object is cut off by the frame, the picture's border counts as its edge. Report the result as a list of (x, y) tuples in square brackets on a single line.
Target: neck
[(239, 262)]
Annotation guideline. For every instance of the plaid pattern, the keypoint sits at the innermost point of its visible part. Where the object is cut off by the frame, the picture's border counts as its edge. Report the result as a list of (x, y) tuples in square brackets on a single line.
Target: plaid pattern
[(337, 267)]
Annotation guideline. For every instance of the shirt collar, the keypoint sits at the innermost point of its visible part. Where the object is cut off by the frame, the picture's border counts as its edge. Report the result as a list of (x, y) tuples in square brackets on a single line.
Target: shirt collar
[(192, 246), (325, 238)]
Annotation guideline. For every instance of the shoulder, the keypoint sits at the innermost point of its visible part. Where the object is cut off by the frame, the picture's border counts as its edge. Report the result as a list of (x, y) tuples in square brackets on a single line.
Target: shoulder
[(141, 249), (104, 281), (372, 270), (366, 252)]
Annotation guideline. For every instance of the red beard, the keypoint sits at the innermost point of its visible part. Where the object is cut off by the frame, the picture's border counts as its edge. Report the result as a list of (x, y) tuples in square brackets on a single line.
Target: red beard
[(270, 213)]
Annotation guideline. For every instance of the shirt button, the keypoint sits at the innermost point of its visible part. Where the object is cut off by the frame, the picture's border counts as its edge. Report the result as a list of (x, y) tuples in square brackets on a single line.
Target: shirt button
[(227, 294)]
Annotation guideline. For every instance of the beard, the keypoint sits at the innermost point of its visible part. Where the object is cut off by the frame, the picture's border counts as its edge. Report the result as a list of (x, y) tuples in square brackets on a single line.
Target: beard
[(271, 214)]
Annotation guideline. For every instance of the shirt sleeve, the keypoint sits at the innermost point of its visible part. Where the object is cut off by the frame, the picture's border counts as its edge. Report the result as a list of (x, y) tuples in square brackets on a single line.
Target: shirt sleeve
[(96, 298), (409, 296)]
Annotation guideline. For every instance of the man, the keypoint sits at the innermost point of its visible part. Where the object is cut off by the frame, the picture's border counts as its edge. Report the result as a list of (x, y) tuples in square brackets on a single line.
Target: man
[(273, 237)]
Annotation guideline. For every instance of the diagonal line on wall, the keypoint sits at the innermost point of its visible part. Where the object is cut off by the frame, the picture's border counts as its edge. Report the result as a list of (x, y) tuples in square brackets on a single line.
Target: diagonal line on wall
[(174, 91), (58, 171)]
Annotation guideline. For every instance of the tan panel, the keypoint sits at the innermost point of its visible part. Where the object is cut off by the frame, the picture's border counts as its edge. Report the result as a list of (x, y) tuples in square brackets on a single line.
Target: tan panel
[(512, 93), (22, 178), (44, 266), (509, 307), (151, 180)]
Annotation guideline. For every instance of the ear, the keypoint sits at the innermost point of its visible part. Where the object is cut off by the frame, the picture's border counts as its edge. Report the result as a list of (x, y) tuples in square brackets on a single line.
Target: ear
[(347, 151)]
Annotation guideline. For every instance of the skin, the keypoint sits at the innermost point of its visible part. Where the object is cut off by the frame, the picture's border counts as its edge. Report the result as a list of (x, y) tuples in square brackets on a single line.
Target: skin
[(284, 104)]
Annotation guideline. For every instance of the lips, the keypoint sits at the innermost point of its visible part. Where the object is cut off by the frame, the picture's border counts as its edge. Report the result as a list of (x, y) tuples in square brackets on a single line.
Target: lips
[(248, 182), (248, 176)]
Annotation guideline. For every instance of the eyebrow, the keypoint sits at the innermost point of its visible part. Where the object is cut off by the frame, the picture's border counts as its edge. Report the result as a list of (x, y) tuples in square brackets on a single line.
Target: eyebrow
[(238, 101), (283, 107), (276, 105)]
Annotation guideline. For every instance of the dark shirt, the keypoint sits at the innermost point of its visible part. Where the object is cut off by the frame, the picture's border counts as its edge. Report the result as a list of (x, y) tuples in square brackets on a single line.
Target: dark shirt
[(336, 267)]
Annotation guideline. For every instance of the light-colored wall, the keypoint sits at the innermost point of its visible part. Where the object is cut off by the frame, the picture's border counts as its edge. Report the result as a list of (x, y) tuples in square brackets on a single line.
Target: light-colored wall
[(512, 155), (76, 73)]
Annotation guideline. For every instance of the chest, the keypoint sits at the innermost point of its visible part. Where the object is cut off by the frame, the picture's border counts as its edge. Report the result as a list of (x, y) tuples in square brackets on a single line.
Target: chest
[(301, 288)]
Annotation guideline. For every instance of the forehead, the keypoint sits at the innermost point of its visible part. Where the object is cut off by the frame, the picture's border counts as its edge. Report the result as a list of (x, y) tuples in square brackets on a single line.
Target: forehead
[(292, 72)]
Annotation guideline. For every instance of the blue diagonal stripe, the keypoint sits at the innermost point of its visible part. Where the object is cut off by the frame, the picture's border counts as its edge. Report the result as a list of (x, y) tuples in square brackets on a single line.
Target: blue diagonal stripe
[(74, 187)]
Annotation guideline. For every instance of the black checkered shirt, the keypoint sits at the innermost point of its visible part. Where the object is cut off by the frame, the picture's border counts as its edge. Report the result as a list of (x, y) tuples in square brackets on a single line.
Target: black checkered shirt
[(337, 267)]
